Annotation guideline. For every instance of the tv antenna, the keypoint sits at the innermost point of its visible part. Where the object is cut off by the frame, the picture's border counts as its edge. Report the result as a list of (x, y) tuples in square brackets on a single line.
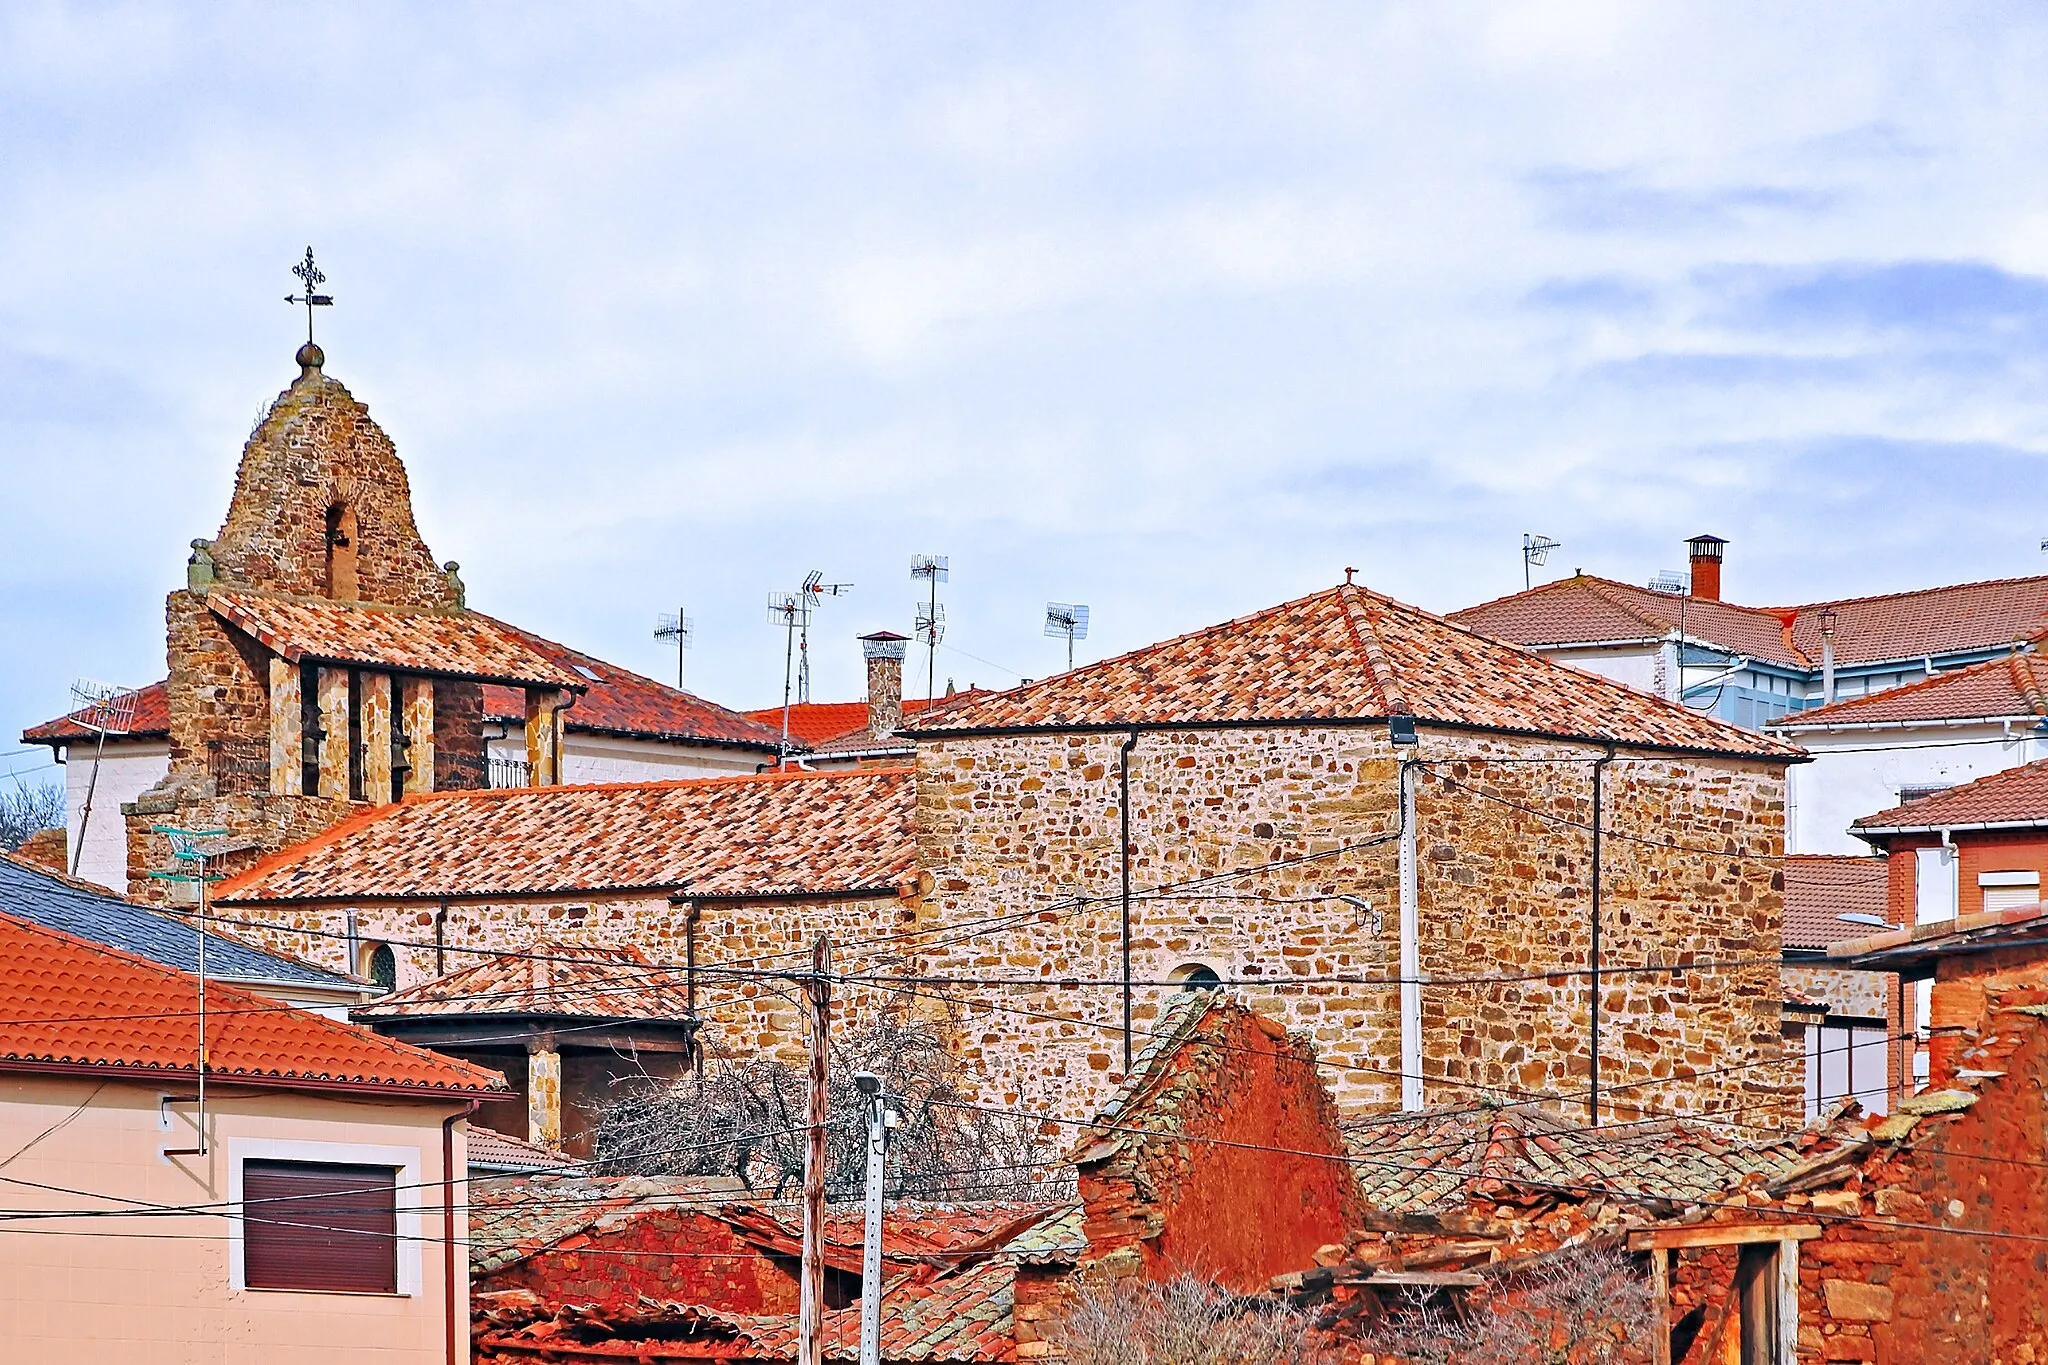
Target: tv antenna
[(310, 276), (676, 626), (104, 709), (1535, 551), (931, 617), (1068, 620), (815, 591)]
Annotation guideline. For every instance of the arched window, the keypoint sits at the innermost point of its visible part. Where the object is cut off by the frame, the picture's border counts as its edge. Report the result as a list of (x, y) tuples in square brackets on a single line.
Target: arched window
[(341, 552), (1196, 976), (380, 964)]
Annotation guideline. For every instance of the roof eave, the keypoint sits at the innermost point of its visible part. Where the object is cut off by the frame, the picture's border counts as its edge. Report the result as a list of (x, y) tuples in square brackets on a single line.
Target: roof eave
[(153, 1074), (1874, 832), (1938, 722)]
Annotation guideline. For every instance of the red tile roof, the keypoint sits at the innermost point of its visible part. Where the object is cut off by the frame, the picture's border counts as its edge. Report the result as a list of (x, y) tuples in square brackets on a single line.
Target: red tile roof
[(152, 719), (2001, 689), (2015, 797), (1888, 627), (1345, 654), (1913, 948), (554, 979), (620, 702), (494, 1153), (814, 723), (67, 1004), (463, 644), (770, 834), (1822, 887), (617, 702)]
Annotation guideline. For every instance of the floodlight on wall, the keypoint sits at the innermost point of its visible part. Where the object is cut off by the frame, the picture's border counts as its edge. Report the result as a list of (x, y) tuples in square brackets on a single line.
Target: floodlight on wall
[(1401, 729)]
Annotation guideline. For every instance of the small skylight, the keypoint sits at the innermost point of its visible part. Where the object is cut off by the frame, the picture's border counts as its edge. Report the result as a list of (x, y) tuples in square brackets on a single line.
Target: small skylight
[(589, 673)]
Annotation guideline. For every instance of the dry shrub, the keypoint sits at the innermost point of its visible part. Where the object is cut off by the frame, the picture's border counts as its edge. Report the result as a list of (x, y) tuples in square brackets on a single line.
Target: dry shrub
[(1185, 1321), (1585, 1307)]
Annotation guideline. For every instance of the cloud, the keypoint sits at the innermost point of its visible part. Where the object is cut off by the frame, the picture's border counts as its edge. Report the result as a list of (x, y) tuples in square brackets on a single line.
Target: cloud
[(1625, 201)]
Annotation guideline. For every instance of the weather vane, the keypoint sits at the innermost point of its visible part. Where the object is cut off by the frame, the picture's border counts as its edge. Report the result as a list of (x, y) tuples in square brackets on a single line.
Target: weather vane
[(310, 276)]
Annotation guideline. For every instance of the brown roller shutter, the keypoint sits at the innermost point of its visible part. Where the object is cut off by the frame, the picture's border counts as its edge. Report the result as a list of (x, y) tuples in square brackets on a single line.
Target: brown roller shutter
[(320, 1225)]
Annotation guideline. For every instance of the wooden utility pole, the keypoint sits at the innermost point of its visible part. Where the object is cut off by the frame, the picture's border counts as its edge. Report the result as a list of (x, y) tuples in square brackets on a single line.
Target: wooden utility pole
[(811, 1322)]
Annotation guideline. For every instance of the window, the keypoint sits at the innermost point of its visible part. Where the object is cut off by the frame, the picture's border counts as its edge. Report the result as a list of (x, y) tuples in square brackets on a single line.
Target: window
[(320, 1225), (2009, 890), (380, 964), (1197, 977)]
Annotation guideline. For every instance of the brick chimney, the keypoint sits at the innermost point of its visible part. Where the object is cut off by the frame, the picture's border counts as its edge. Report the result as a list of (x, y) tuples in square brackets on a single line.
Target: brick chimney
[(884, 652), (1706, 566)]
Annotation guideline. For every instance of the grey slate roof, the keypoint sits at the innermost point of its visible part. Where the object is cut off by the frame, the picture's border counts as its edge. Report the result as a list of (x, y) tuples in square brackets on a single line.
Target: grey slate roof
[(101, 917)]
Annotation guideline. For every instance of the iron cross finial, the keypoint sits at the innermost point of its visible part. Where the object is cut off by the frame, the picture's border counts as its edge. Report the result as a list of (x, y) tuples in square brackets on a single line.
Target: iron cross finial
[(311, 278)]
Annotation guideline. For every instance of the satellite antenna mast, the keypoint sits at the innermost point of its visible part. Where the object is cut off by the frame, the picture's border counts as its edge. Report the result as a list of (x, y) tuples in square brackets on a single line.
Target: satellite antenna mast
[(1069, 620), (1535, 550), (815, 590), (931, 617), (104, 709), (791, 611), (676, 626)]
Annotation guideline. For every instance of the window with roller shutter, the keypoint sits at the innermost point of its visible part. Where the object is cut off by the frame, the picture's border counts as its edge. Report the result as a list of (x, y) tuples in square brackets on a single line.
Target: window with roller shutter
[(320, 1225)]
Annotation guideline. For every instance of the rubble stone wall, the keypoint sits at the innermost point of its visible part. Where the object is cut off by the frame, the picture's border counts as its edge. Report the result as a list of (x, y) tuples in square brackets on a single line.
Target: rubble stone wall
[(1020, 834)]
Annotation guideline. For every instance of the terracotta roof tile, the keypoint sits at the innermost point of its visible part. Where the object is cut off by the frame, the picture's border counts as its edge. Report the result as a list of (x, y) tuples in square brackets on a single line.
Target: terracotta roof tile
[(2001, 689), (1345, 654), (1440, 1159), (151, 720), (461, 644), (555, 979), (2016, 796), (1822, 887), (494, 1153), (764, 835), (1881, 629), (814, 723), (69, 1004)]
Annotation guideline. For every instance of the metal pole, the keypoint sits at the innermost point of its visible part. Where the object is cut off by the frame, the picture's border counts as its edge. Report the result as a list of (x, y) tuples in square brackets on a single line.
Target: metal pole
[(682, 641), (1410, 944), (1593, 1086), (85, 816), (931, 645), (811, 1322), (1123, 809), (788, 654), (870, 1086), (202, 1006)]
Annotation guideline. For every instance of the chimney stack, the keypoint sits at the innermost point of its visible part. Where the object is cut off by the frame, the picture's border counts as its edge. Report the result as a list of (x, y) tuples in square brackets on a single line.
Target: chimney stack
[(884, 652), (1706, 566)]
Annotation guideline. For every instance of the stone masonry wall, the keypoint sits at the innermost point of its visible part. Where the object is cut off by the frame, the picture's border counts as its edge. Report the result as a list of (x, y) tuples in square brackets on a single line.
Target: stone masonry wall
[(744, 1014), (1026, 827)]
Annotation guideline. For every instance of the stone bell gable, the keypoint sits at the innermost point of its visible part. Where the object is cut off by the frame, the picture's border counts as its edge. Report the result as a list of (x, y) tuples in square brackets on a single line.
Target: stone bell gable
[(320, 661), (322, 508)]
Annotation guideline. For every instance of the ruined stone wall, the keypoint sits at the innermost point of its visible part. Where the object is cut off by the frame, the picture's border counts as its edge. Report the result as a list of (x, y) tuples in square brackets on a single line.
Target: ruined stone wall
[(1020, 834), (317, 448), (744, 1014), (612, 1267)]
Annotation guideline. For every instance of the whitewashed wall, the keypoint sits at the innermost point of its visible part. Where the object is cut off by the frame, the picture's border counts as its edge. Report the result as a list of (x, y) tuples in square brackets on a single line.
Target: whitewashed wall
[(130, 768), (1859, 772), (608, 758)]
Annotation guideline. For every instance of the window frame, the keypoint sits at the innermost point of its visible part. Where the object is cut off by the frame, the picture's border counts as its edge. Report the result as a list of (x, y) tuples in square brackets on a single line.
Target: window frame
[(405, 1162)]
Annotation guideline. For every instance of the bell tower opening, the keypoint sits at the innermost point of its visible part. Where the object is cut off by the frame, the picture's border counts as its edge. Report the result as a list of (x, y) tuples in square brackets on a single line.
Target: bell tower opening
[(341, 552)]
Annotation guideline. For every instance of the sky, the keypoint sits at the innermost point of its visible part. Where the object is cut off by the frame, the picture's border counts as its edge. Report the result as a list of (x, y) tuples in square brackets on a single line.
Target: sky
[(1174, 310)]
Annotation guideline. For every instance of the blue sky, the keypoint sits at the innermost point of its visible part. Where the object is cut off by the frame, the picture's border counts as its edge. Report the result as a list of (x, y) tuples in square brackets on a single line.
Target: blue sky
[(1176, 310)]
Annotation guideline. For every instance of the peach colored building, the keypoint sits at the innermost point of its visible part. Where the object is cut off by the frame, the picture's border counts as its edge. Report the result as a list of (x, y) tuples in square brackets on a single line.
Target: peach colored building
[(303, 1215)]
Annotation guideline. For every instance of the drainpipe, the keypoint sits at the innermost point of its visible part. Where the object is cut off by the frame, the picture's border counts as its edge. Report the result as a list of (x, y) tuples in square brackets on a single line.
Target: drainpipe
[(1411, 949), (457, 1355), (1123, 807), (1593, 1087), (441, 938), (1827, 657)]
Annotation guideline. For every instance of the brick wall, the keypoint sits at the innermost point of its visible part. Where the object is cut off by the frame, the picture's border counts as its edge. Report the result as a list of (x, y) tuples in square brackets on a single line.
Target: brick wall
[(1024, 825)]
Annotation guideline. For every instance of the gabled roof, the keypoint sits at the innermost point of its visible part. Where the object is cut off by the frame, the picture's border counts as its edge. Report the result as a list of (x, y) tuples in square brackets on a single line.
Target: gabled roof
[(460, 644), (2014, 798), (771, 834), (57, 902), (1959, 618), (2011, 688), (494, 1153), (557, 980), (1347, 654), (1822, 887), (151, 720), (1913, 949), (73, 1006), (1439, 1159)]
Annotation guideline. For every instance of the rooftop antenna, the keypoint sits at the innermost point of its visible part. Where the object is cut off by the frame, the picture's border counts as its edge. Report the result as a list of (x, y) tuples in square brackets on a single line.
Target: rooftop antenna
[(190, 848), (1535, 551), (815, 590), (791, 611), (1068, 620), (311, 278), (931, 618), (676, 626), (104, 709)]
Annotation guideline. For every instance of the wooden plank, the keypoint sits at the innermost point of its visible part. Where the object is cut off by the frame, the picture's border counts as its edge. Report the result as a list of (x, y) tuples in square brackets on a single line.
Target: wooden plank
[(1426, 1279), (1721, 1235), (1660, 1299), (1788, 1304)]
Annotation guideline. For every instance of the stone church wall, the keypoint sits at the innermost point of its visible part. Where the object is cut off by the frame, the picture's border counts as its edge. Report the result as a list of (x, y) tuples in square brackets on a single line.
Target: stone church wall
[(1020, 834)]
